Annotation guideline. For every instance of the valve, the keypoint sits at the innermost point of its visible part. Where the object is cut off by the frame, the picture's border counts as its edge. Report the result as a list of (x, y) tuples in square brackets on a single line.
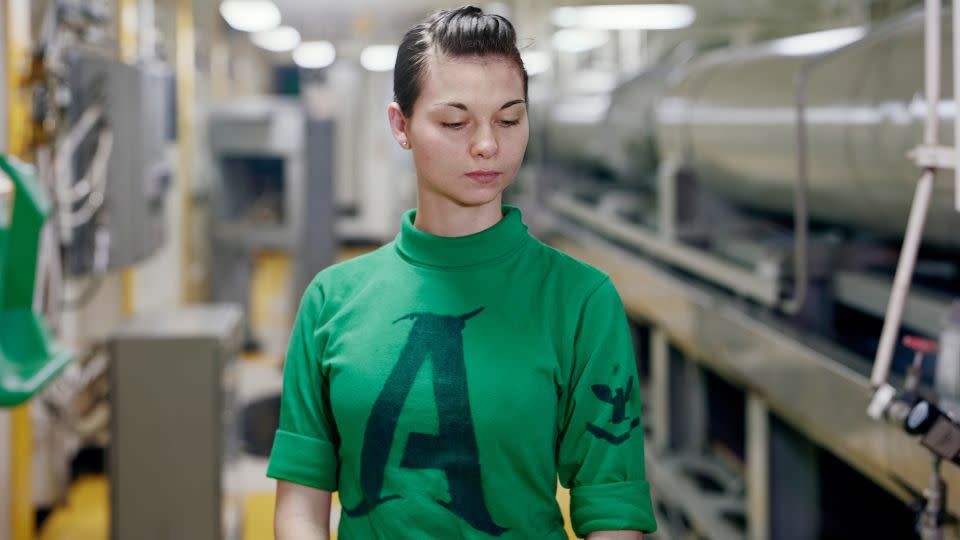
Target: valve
[(921, 347)]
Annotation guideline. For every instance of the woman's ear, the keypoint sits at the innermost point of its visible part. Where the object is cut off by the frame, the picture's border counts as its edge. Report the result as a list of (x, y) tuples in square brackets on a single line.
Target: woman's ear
[(398, 124)]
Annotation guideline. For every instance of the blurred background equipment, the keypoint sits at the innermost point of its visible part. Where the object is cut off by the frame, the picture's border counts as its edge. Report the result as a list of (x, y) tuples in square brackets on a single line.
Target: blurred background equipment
[(133, 101), (174, 436), (273, 191), (749, 202), (29, 357), (739, 168)]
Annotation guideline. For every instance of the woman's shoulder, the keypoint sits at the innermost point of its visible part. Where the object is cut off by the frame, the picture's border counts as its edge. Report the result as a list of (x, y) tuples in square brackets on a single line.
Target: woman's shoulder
[(566, 269), (348, 274)]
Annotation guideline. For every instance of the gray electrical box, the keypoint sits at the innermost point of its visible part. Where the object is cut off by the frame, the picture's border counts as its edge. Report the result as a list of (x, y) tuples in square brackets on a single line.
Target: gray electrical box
[(173, 437), (136, 101)]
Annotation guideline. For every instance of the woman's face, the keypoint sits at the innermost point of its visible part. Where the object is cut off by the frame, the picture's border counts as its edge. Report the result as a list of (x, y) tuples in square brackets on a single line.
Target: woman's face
[(469, 129)]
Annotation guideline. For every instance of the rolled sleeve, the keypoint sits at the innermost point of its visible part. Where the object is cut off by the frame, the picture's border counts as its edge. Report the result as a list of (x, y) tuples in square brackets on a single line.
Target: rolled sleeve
[(303, 460), (621, 506)]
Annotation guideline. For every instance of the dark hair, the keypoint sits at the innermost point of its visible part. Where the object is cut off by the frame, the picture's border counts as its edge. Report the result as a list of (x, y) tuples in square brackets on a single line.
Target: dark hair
[(465, 31)]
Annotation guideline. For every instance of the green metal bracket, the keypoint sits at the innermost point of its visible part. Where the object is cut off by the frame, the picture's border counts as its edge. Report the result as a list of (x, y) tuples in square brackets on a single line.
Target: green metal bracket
[(29, 357)]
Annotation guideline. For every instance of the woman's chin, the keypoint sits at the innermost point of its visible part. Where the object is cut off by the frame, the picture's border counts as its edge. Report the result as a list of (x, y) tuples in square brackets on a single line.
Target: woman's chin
[(479, 197)]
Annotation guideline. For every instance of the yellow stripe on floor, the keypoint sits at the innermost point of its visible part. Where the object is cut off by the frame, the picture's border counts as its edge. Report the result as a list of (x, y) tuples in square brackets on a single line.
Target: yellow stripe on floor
[(258, 516), (86, 516)]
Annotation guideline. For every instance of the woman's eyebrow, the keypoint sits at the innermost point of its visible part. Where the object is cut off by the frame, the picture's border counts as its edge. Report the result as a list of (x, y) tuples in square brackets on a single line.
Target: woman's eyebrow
[(463, 107)]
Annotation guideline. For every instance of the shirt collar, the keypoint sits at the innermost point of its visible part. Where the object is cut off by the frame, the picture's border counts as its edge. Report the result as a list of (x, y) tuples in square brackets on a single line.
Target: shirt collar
[(479, 248)]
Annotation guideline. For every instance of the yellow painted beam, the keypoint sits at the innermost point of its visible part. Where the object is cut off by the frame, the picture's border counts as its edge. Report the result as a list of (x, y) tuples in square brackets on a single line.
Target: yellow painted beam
[(17, 32), (186, 73), (16, 18), (127, 19), (21, 511)]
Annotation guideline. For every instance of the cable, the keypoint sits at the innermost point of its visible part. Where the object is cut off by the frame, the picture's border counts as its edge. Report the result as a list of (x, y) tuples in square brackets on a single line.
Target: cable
[(98, 169), (84, 298)]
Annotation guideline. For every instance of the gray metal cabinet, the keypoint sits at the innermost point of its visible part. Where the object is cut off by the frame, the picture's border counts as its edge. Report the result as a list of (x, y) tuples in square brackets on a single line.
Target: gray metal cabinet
[(172, 378)]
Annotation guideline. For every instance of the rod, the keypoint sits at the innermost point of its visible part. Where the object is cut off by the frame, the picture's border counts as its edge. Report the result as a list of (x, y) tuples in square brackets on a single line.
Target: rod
[(921, 202)]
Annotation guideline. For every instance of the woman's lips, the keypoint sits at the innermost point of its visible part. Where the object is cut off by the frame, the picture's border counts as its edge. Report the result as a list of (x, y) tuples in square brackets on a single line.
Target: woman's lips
[(484, 177)]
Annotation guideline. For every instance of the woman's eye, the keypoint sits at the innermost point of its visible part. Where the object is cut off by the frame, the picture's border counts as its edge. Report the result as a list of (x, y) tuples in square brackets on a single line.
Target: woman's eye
[(452, 125), (510, 122)]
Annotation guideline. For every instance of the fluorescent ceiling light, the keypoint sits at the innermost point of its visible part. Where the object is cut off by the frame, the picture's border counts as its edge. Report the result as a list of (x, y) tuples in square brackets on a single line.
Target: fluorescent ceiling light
[(626, 17), (817, 42), (379, 57), (575, 41), (250, 15), (535, 62), (280, 39), (314, 54)]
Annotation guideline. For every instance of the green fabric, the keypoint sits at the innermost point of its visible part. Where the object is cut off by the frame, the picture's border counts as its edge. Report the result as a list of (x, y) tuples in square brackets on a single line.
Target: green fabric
[(442, 384)]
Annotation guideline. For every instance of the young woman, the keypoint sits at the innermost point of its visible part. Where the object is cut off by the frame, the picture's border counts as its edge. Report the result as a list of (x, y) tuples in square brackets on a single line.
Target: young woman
[(442, 382)]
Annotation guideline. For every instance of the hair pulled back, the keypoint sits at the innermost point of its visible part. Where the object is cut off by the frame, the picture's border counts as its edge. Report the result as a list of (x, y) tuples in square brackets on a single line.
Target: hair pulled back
[(461, 32)]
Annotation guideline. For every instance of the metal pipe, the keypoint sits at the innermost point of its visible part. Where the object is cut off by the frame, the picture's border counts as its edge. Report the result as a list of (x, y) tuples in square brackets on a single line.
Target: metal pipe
[(758, 468), (801, 278), (932, 70), (901, 282), (757, 284), (921, 202), (854, 101), (931, 517)]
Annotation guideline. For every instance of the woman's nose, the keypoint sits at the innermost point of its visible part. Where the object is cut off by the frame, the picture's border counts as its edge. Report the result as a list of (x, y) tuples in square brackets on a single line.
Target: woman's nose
[(484, 144)]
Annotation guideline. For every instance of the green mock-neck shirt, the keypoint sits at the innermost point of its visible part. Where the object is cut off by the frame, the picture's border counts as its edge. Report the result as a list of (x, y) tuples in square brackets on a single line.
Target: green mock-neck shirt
[(442, 384)]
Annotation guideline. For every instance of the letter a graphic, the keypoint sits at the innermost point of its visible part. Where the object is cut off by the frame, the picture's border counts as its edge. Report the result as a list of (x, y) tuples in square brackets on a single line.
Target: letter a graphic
[(454, 450)]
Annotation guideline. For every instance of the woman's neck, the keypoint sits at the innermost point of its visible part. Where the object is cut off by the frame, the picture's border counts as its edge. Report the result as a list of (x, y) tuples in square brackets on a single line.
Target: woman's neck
[(447, 218)]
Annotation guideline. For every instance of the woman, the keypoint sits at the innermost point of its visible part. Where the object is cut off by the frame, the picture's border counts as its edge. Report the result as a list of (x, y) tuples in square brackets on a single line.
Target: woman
[(443, 381)]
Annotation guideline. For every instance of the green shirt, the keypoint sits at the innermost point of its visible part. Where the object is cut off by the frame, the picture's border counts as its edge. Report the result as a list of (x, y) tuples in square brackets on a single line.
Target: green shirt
[(442, 384)]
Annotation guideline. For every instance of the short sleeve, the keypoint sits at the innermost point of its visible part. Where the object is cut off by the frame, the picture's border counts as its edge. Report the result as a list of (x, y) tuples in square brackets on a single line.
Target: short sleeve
[(305, 445), (600, 447)]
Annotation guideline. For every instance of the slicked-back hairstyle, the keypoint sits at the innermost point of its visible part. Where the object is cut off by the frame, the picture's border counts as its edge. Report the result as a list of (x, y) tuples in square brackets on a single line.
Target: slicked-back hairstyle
[(461, 32)]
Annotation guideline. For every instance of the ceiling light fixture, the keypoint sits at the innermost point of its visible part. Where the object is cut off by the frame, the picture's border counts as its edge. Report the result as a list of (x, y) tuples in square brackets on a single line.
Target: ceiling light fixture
[(250, 15), (817, 42), (626, 17), (577, 41), (280, 39), (314, 54), (378, 57)]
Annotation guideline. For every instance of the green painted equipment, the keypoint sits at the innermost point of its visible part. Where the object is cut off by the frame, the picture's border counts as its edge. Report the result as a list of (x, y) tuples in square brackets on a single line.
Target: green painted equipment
[(29, 357)]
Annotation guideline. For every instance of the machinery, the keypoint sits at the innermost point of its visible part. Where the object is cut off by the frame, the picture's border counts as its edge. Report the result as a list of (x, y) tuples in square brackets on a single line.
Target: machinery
[(131, 127), (749, 203), (273, 190), (91, 202)]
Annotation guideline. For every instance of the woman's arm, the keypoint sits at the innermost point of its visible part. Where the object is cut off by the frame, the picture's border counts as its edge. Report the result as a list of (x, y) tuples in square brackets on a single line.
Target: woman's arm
[(302, 512), (615, 535)]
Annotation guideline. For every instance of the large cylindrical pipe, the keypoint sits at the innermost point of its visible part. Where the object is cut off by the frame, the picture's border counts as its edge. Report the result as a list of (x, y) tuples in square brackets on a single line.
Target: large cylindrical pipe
[(732, 115)]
